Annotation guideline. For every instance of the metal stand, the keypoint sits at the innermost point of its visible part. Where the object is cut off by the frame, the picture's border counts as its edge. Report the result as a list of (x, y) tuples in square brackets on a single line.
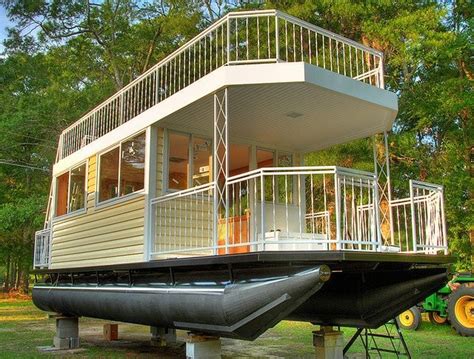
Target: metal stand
[(396, 345)]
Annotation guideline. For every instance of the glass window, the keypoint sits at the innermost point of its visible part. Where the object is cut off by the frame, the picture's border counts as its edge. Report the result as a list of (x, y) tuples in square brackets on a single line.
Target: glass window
[(202, 155), (264, 158), (108, 175), (132, 166), (77, 191), (285, 160), (62, 187), (239, 159), (285, 183), (178, 165)]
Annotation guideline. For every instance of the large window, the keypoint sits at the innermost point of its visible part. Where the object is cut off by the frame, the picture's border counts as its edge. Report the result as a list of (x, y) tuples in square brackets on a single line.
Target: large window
[(71, 190), (189, 161), (122, 169)]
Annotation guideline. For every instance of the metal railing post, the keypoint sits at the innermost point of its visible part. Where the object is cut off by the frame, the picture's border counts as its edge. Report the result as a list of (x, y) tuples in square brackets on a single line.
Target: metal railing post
[(337, 197), (413, 220), (443, 223), (277, 39), (378, 229), (262, 205), (228, 39)]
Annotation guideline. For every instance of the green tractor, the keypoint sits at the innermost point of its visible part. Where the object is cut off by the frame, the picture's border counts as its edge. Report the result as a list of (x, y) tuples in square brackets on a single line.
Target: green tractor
[(454, 303)]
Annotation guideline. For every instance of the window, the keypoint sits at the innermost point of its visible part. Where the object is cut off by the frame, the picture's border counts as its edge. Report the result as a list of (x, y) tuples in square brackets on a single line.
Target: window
[(178, 161), (71, 190), (202, 156), (108, 175), (122, 169), (132, 165), (189, 161), (77, 192)]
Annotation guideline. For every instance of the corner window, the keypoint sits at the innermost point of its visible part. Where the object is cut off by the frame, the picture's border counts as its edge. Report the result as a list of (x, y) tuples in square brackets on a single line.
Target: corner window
[(71, 191), (122, 169)]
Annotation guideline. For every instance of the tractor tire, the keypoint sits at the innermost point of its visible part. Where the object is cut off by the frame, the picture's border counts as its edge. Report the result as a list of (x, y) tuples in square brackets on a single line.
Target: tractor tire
[(435, 318), (461, 310), (410, 319)]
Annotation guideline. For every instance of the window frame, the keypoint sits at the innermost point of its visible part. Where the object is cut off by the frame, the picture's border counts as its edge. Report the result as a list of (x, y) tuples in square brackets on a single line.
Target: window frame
[(166, 162), (118, 198), (77, 211)]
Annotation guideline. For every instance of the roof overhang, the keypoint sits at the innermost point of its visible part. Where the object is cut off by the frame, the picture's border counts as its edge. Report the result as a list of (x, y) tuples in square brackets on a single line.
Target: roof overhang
[(292, 106)]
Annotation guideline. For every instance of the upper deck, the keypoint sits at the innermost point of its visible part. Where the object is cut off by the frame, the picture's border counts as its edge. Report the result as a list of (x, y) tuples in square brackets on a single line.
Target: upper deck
[(253, 48)]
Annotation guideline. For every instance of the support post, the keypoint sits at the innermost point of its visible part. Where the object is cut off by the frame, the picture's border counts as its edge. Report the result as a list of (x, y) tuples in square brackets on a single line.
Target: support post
[(202, 347), (221, 165), (67, 333), (382, 174), (162, 337), (328, 343)]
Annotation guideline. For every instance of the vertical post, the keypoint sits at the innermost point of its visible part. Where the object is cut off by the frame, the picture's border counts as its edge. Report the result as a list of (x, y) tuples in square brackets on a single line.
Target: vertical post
[(413, 220), (381, 79), (277, 39), (382, 174), (151, 138), (221, 164), (443, 222), (228, 39), (337, 198)]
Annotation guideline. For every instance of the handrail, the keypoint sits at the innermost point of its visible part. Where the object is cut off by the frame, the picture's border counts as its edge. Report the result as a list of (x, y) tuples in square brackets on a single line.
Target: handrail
[(233, 39)]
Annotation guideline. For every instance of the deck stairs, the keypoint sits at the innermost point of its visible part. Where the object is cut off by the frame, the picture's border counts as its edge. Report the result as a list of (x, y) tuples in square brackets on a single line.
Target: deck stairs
[(384, 342)]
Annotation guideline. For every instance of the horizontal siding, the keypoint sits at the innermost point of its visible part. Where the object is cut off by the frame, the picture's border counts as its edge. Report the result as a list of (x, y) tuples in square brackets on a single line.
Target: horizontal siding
[(109, 235)]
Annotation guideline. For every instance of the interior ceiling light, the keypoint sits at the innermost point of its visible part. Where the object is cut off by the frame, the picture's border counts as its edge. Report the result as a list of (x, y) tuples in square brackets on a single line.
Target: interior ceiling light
[(293, 114)]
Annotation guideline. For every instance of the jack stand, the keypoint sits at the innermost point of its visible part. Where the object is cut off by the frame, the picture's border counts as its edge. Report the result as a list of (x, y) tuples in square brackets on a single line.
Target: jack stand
[(328, 343), (162, 337), (200, 346), (67, 333)]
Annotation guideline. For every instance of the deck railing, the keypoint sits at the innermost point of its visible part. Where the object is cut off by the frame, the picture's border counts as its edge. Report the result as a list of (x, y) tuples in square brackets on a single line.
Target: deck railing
[(264, 36), (42, 248), (292, 208), (418, 220)]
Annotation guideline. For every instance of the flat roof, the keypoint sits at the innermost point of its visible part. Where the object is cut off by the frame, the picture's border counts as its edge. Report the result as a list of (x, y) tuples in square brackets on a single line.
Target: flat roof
[(292, 106)]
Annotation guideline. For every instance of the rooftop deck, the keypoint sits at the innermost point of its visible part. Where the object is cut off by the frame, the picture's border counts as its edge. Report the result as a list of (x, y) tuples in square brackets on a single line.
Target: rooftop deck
[(252, 37)]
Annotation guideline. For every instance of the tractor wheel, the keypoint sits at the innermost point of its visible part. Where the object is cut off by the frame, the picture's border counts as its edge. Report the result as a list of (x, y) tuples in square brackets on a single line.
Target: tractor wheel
[(410, 319), (437, 319), (461, 310)]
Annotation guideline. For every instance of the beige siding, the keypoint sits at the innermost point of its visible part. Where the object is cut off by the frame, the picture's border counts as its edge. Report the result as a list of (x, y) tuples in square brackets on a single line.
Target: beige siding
[(107, 235)]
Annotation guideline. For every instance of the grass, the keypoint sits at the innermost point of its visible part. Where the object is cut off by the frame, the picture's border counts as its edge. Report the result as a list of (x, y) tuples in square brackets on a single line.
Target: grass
[(23, 328)]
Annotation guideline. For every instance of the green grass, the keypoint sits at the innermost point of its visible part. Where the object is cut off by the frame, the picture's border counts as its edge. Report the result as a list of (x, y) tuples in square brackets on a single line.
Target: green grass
[(23, 328)]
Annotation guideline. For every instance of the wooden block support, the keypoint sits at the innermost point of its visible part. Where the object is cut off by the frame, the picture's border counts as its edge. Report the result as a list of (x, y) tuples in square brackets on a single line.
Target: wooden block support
[(110, 332)]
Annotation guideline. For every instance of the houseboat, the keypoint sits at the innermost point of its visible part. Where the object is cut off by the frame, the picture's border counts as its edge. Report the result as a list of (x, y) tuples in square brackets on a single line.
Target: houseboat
[(184, 201)]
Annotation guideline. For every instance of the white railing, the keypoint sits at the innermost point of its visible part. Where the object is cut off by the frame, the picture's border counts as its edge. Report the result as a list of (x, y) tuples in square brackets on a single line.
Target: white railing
[(238, 38), (418, 220), (293, 208), (42, 248)]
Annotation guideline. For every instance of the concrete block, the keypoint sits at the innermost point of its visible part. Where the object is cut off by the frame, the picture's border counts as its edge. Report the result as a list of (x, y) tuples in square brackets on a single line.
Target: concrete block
[(162, 337), (67, 333), (328, 343), (203, 347), (110, 332)]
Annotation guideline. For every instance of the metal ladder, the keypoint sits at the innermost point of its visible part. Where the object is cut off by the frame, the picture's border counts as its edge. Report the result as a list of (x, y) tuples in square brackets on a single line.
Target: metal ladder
[(396, 343)]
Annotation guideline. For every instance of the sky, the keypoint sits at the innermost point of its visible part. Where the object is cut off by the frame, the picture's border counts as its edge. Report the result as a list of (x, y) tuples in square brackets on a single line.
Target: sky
[(3, 24)]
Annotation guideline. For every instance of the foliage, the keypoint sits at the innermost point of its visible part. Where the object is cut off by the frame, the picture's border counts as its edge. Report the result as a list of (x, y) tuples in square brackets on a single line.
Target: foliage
[(64, 57)]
